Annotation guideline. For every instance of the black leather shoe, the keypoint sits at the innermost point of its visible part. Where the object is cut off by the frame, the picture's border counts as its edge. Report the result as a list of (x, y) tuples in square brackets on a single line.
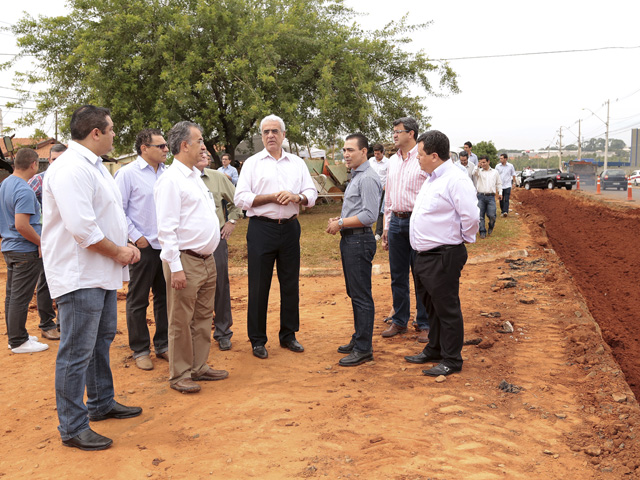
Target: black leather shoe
[(348, 348), (224, 344), (88, 440), (356, 358), (260, 352), (440, 369), (118, 411), (422, 358), (292, 345)]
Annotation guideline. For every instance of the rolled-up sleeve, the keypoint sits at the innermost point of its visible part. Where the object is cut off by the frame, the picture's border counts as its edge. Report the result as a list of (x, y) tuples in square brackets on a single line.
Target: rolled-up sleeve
[(167, 198), (77, 210)]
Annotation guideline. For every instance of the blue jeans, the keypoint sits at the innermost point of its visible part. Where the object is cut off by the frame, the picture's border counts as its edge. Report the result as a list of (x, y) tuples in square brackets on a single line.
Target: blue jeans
[(504, 203), (401, 258), (357, 252), (88, 320), (487, 206)]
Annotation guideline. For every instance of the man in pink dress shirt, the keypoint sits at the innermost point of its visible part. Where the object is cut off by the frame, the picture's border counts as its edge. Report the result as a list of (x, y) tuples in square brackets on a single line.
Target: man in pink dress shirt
[(404, 179)]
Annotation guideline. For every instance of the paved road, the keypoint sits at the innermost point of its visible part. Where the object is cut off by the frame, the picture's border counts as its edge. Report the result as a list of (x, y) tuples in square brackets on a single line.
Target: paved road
[(612, 193)]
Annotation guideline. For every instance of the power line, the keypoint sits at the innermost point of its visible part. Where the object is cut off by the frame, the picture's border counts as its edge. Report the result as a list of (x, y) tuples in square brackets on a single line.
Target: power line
[(552, 52)]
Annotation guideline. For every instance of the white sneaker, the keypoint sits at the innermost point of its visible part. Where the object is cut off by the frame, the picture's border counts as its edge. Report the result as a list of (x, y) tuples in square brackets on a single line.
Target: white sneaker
[(378, 237), (30, 346), (31, 337)]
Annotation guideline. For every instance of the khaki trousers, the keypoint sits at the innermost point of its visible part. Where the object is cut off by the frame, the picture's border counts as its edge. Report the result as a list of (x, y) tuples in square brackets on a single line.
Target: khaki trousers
[(190, 312)]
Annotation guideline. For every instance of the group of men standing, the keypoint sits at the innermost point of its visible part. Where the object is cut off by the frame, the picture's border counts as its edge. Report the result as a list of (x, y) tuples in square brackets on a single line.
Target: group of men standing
[(489, 182), (165, 228)]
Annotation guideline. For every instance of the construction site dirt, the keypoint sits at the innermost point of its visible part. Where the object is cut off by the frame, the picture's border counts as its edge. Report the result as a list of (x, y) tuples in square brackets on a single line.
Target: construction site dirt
[(548, 388)]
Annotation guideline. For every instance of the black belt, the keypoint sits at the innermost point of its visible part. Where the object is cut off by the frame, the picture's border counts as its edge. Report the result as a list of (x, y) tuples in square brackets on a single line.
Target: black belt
[(276, 220), (195, 254), (402, 214), (355, 231), (439, 249), (488, 194)]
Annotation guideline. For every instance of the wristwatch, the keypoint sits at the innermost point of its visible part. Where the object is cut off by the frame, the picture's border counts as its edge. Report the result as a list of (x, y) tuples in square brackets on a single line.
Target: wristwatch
[(232, 222), (301, 197), (340, 222)]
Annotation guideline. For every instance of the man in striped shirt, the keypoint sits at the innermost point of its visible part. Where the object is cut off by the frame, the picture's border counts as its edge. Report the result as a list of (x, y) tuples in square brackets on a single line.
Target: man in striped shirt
[(404, 179)]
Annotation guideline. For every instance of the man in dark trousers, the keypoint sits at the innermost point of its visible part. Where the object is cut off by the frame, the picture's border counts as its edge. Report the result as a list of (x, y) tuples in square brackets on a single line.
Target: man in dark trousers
[(358, 246), (444, 219), (272, 185)]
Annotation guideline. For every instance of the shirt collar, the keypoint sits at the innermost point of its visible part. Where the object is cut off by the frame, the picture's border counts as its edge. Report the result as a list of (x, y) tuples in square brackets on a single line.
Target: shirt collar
[(412, 153), (142, 164), (182, 168), (285, 155), (360, 169), (85, 152), (442, 169)]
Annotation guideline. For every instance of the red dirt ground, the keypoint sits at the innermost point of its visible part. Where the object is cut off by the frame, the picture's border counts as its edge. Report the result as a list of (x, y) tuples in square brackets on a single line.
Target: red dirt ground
[(600, 246), (303, 416)]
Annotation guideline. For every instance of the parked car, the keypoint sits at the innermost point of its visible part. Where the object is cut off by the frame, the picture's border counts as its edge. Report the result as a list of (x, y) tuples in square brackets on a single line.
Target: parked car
[(549, 179), (613, 178), (635, 177)]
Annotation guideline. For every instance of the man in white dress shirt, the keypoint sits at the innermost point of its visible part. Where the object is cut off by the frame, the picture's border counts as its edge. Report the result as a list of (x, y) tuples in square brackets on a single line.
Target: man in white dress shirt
[(380, 164), (489, 185), (85, 254), (136, 181), (189, 232), (444, 219), (272, 185)]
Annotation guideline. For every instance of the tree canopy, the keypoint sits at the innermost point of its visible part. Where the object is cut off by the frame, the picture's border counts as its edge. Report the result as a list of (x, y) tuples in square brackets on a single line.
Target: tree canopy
[(488, 149), (227, 63)]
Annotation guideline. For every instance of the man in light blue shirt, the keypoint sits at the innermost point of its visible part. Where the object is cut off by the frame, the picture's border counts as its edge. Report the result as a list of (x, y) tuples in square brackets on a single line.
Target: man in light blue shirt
[(20, 229), (228, 170), (136, 181)]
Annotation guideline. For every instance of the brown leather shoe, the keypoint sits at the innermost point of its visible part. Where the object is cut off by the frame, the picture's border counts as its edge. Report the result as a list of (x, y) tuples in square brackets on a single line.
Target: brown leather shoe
[(144, 362), (212, 375), (393, 330), (186, 385), (52, 334), (423, 336)]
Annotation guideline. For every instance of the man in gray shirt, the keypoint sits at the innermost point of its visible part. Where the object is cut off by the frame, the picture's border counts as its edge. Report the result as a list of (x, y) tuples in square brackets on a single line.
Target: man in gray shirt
[(358, 246)]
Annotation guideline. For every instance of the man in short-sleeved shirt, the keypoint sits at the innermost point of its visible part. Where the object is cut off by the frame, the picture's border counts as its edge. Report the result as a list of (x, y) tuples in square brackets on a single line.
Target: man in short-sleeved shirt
[(20, 229)]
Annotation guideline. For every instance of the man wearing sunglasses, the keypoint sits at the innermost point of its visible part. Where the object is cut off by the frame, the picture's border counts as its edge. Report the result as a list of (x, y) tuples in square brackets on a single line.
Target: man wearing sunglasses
[(136, 181)]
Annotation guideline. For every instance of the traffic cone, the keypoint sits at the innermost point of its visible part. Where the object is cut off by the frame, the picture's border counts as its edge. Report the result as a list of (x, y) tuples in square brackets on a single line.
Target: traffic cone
[(578, 183), (598, 186), (629, 190)]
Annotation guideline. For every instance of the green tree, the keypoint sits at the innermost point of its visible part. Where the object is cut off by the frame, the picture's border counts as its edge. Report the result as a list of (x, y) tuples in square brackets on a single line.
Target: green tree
[(615, 144), (488, 149), (227, 63)]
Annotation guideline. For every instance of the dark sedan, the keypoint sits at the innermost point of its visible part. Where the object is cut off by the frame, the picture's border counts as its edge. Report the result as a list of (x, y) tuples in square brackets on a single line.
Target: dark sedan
[(613, 178)]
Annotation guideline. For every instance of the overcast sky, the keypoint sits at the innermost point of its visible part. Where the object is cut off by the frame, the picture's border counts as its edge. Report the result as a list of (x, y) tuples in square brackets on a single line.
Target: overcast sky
[(519, 102)]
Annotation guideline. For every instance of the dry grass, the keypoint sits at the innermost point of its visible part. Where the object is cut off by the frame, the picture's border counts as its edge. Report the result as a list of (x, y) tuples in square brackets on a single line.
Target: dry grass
[(321, 250)]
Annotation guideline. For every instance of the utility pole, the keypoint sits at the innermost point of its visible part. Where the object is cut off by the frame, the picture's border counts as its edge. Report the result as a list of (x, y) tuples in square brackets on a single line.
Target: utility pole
[(560, 150), (56, 137), (606, 140), (579, 140)]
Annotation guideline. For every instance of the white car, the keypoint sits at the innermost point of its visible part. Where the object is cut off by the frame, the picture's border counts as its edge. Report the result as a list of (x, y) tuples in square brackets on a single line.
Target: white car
[(635, 177)]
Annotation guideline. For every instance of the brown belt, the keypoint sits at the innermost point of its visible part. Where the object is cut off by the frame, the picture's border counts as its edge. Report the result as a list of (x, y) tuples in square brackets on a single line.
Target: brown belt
[(402, 214), (194, 254)]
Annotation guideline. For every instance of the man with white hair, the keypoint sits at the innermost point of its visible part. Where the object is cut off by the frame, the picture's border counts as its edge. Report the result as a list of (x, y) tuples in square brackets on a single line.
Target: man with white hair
[(272, 185)]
